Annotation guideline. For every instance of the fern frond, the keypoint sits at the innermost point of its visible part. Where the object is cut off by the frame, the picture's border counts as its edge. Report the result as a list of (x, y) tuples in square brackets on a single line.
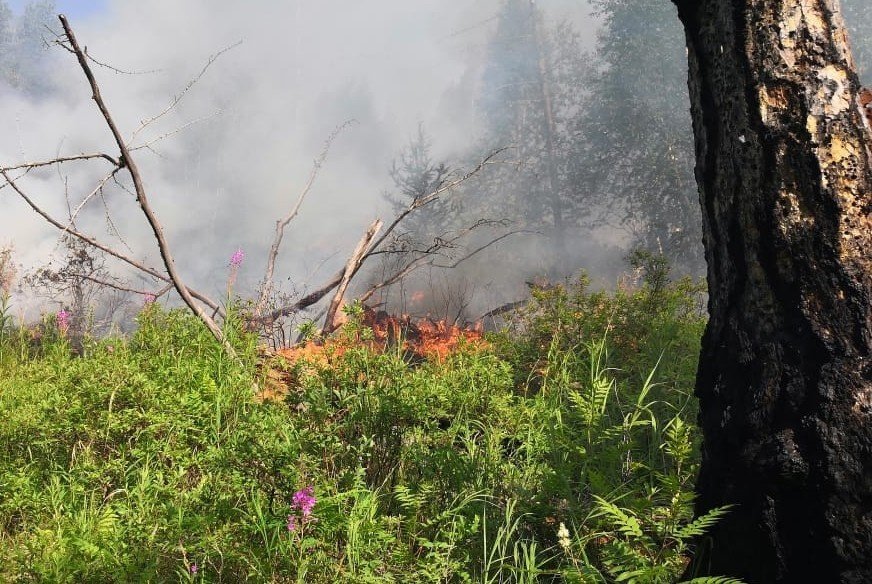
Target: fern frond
[(702, 524), (620, 558), (713, 580), (626, 523)]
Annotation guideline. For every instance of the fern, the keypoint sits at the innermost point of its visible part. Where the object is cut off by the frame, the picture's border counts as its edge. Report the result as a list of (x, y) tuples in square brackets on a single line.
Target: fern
[(626, 524), (713, 580), (701, 524)]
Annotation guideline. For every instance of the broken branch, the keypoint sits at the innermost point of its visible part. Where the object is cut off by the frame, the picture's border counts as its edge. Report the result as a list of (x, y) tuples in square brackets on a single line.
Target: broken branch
[(351, 268)]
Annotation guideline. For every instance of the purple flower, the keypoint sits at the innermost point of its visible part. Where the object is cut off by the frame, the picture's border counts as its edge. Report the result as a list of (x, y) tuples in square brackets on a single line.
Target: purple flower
[(236, 258), (193, 568), (149, 299), (304, 500), (63, 318), (292, 523)]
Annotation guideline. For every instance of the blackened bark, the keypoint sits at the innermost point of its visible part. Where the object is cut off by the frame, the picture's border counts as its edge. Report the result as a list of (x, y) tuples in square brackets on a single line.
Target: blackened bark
[(785, 380)]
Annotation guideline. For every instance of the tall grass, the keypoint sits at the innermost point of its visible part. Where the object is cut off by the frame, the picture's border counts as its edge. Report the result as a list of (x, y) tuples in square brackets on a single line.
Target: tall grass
[(562, 451)]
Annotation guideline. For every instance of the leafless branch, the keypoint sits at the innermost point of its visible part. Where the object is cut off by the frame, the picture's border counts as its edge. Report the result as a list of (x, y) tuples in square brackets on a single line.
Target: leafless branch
[(396, 277), (141, 197), (374, 249), (428, 258), (427, 199), (281, 224), (499, 310), (99, 188), (178, 98), (149, 145), (97, 244), (481, 248), (122, 288), (61, 160), (120, 71)]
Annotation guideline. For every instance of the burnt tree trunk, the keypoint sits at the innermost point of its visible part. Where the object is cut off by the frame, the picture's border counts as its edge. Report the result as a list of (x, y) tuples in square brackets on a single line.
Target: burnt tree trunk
[(785, 380)]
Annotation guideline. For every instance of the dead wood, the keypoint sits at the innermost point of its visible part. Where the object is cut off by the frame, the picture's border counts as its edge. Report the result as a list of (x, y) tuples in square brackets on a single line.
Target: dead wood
[(351, 268), (127, 161)]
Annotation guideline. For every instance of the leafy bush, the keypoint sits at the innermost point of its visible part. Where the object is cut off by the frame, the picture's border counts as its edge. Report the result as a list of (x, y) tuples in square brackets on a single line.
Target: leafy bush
[(530, 458)]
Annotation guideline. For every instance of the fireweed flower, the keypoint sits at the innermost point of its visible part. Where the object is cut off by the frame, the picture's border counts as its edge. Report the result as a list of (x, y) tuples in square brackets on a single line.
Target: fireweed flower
[(193, 568), (235, 262), (304, 500), (236, 258), (302, 503), (63, 319)]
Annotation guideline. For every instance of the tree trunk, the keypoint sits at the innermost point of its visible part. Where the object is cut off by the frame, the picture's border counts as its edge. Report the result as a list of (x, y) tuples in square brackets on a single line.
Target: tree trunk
[(785, 378), (550, 131)]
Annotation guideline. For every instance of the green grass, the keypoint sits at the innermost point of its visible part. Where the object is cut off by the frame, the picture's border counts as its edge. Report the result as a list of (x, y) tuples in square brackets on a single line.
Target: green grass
[(148, 455)]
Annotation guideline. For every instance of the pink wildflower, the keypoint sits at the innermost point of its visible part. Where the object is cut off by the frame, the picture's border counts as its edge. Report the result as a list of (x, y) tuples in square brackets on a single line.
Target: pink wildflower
[(304, 500), (193, 568), (292, 523), (236, 258), (63, 319), (149, 299)]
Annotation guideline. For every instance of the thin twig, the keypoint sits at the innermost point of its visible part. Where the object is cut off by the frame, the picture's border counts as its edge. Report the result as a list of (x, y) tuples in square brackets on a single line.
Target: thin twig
[(212, 58), (282, 223), (121, 288), (482, 248), (148, 145), (120, 71), (99, 188), (61, 160)]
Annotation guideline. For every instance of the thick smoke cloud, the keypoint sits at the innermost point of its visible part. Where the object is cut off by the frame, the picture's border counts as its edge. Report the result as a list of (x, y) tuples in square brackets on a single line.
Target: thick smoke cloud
[(261, 113)]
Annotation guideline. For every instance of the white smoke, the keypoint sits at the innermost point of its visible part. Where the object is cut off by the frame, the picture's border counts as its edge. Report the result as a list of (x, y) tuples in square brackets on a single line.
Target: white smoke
[(252, 124)]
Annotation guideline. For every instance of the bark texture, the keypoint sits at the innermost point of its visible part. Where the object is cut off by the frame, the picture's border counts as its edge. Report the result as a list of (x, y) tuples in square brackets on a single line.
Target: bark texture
[(785, 380)]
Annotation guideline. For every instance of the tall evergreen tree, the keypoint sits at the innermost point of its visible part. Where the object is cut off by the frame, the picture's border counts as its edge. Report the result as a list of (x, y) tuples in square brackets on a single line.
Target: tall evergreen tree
[(529, 95), (415, 175), (23, 50), (635, 149)]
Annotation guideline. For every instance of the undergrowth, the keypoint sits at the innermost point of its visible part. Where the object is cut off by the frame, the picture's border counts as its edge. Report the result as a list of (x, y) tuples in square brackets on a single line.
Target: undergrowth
[(563, 450)]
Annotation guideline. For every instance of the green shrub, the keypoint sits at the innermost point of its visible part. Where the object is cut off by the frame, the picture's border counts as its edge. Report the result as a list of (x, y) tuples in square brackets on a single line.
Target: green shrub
[(152, 459)]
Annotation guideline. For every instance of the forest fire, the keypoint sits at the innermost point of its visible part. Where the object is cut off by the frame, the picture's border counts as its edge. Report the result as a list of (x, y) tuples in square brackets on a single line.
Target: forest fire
[(423, 338), (417, 339)]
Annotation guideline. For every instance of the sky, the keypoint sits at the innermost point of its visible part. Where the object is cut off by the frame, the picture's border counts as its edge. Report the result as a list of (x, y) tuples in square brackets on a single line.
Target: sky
[(74, 9), (235, 152)]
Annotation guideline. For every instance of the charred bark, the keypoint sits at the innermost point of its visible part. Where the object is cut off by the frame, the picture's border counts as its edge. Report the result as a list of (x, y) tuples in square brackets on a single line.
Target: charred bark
[(785, 380)]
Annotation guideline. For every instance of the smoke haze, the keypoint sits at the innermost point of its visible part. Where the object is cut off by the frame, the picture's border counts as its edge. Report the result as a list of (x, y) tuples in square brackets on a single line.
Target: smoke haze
[(252, 124), (239, 146)]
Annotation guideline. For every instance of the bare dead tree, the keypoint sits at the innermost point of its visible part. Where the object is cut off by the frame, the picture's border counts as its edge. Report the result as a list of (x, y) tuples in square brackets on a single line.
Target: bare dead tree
[(127, 161)]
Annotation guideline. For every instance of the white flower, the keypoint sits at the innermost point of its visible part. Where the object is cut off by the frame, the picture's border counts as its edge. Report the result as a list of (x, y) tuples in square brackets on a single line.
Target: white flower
[(563, 537)]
